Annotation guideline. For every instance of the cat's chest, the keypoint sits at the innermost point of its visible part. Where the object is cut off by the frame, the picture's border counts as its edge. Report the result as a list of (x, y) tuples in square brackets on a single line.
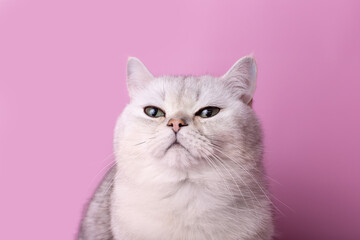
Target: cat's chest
[(182, 211), (185, 200)]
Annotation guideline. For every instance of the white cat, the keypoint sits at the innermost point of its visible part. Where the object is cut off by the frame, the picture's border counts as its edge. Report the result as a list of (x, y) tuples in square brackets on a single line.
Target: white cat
[(188, 161)]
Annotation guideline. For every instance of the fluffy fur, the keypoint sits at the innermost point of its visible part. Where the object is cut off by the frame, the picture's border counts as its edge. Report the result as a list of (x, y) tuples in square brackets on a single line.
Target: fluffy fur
[(209, 186)]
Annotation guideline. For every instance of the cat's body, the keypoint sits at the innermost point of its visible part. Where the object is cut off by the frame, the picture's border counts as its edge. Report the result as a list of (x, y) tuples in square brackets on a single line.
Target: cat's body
[(188, 162)]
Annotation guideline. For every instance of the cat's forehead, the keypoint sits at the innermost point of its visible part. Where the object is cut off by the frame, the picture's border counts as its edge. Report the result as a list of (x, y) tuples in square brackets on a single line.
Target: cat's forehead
[(185, 85), (187, 88), (183, 92)]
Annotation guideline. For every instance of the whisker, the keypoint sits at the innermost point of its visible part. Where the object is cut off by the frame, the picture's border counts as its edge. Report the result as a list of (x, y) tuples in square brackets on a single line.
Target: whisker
[(221, 176), (252, 212), (270, 178), (234, 181), (140, 143), (265, 194), (103, 168)]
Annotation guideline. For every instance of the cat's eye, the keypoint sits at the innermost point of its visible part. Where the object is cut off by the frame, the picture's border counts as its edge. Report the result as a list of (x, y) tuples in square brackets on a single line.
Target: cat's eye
[(207, 112), (154, 112)]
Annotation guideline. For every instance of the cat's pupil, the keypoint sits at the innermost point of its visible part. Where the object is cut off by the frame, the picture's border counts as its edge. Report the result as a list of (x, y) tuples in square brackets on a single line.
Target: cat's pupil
[(207, 112), (153, 112)]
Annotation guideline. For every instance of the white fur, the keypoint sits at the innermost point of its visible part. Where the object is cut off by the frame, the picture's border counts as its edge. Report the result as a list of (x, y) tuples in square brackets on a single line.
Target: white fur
[(197, 191)]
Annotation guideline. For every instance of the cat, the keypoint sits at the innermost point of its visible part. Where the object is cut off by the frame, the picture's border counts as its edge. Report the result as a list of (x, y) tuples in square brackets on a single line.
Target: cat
[(188, 153)]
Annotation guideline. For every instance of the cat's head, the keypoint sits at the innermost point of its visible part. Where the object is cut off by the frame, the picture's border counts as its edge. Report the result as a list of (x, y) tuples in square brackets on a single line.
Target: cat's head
[(182, 121)]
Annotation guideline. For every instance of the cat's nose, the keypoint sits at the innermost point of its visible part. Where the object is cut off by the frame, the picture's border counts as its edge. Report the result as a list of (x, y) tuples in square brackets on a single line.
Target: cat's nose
[(176, 124)]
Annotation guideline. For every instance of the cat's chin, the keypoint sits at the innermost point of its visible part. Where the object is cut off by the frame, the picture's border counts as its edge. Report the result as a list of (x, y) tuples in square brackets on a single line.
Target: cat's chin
[(178, 156)]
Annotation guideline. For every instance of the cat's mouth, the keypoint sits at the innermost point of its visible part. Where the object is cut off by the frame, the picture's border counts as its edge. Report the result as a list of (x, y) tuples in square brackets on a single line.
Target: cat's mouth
[(177, 145)]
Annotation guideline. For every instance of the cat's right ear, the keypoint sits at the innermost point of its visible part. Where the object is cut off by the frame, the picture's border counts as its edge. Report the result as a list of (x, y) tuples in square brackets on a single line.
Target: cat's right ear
[(241, 79), (137, 75)]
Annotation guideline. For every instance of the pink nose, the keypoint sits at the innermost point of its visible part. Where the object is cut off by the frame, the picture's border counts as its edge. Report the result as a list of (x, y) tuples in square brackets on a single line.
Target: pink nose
[(176, 124)]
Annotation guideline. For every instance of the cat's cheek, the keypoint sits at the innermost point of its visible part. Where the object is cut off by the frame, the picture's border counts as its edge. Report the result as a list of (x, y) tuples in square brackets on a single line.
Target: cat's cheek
[(158, 152)]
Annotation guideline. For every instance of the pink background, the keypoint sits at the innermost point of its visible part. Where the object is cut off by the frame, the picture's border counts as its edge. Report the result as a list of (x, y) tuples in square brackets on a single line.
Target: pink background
[(62, 85)]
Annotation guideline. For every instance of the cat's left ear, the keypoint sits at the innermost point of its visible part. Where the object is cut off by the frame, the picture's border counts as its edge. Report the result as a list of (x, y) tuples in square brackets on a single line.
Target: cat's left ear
[(137, 75), (241, 78)]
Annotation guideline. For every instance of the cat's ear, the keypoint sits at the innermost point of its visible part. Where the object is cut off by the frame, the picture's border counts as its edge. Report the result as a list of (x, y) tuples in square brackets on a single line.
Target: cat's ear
[(137, 75), (241, 78)]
